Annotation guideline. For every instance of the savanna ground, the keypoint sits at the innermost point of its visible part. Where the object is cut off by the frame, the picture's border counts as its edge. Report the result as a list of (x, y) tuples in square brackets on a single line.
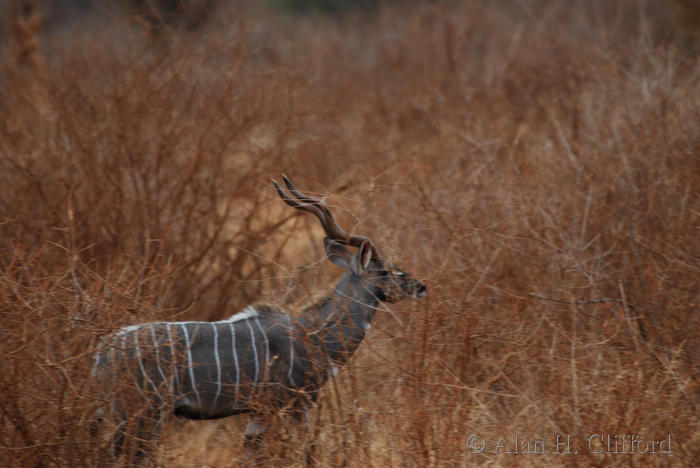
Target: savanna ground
[(536, 163)]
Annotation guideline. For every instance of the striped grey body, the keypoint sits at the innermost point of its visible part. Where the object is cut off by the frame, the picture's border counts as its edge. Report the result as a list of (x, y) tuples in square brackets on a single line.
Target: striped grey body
[(212, 369), (258, 359)]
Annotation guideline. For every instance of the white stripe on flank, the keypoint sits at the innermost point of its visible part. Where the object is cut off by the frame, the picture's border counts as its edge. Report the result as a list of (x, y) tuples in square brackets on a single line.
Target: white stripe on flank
[(218, 365), (255, 350), (291, 351), (155, 346), (248, 312), (97, 362), (267, 348), (190, 364), (112, 362), (174, 382), (126, 364), (235, 356), (143, 370)]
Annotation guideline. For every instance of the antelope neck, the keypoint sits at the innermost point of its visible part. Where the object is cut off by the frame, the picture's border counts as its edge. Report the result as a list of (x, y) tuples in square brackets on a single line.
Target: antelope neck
[(341, 320)]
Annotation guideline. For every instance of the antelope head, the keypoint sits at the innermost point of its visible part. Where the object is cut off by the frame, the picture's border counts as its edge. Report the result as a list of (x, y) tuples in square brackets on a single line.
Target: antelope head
[(389, 282)]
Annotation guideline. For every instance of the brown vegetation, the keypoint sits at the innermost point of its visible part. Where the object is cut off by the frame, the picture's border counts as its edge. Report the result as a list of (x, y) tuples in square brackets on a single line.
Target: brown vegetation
[(536, 165)]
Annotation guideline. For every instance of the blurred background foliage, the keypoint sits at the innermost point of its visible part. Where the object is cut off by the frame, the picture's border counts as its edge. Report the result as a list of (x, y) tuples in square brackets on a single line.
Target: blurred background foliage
[(534, 162)]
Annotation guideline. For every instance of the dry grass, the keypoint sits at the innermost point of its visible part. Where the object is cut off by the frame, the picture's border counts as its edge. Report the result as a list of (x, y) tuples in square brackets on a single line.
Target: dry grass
[(537, 165)]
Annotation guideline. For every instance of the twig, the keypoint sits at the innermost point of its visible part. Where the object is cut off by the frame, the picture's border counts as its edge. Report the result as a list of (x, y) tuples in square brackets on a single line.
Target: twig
[(579, 302), (627, 316)]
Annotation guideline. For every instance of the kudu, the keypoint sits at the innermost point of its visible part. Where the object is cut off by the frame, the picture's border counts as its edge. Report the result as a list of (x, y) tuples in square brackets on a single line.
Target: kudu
[(260, 361)]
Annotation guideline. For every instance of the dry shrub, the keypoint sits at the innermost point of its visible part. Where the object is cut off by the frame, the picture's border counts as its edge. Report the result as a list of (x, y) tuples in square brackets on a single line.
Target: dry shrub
[(536, 164)]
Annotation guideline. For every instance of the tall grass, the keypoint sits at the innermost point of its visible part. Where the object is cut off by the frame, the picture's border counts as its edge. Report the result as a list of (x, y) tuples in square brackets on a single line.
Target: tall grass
[(537, 165)]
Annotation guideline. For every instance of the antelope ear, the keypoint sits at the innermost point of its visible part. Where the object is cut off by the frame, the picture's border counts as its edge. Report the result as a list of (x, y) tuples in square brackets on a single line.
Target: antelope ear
[(337, 253), (365, 255), (359, 263)]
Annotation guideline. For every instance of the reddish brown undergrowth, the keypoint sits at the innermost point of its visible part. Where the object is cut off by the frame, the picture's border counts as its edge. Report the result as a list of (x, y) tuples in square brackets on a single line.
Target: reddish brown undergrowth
[(538, 166)]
